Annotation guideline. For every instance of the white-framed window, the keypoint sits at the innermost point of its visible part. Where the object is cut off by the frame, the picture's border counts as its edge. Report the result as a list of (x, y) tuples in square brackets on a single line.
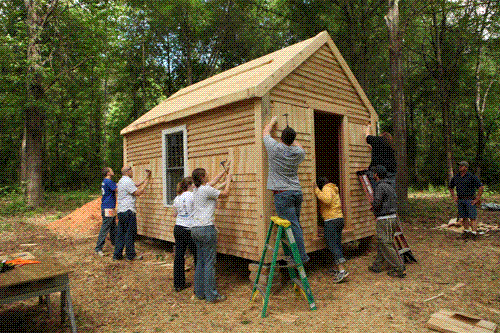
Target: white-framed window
[(174, 146)]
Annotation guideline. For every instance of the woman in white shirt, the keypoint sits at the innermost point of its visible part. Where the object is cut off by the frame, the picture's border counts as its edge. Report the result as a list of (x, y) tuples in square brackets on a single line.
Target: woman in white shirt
[(204, 233), (183, 204)]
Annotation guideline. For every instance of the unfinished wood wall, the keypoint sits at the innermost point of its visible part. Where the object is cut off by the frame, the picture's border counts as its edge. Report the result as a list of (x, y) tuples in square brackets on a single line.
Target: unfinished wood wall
[(213, 136), (321, 84)]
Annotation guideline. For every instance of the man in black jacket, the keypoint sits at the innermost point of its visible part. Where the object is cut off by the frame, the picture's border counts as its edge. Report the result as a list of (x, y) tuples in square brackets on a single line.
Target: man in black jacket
[(384, 207)]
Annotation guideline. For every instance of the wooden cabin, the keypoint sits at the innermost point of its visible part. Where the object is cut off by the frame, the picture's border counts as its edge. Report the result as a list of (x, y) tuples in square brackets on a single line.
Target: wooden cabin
[(222, 118)]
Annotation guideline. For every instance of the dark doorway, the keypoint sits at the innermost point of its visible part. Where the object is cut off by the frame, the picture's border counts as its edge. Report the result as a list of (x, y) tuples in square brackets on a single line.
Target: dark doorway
[(327, 132)]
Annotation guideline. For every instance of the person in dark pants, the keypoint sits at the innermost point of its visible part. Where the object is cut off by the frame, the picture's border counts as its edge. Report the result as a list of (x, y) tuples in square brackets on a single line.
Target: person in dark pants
[(384, 207), (108, 210), (127, 193), (183, 204), (331, 211), (382, 153), (284, 158), (466, 198)]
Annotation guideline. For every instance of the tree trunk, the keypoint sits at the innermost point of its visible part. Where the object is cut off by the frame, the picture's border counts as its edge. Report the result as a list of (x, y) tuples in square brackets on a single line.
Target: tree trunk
[(397, 103)]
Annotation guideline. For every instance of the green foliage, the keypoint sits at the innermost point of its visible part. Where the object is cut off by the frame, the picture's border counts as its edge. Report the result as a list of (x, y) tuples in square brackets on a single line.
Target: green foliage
[(106, 63)]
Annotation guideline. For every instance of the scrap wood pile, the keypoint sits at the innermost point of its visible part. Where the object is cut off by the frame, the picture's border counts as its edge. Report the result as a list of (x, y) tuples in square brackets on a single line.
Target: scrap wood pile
[(82, 222), (456, 226)]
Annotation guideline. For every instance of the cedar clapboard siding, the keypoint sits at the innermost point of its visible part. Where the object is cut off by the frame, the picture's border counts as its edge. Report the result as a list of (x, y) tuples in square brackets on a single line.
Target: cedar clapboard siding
[(212, 137), (320, 80), (228, 133)]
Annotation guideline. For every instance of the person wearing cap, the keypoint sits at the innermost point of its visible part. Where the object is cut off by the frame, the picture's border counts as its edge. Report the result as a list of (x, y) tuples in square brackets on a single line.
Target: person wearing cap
[(466, 198), (284, 158), (384, 206)]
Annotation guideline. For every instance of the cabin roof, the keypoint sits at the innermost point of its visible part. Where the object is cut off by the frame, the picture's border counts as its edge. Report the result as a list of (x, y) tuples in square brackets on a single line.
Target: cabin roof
[(249, 80)]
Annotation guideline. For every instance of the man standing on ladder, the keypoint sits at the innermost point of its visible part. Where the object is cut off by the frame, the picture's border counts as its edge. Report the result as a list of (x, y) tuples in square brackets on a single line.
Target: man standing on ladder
[(284, 158), (384, 207)]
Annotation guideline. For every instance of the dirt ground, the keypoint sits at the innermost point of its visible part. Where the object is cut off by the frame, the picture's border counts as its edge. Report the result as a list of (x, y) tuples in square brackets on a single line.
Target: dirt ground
[(139, 297)]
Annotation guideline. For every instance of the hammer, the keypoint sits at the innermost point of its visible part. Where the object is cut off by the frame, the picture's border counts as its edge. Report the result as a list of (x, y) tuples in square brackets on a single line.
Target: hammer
[(223, 165), (286, 116)]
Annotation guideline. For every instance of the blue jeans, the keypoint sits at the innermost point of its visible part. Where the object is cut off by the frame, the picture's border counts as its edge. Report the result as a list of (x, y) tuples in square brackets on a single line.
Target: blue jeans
[(108, 225), (125, 235), (205, 239), (466, 209), (288, 204), (333, 237)]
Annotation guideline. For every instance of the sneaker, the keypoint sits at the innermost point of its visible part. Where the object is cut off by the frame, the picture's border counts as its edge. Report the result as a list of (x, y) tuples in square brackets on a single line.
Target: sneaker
[(187, 285), (218, 298), (100, 253), (333, 272), (395, 273), (341, 276), (137, 257), (116, 259), (196, 298), (375, 269)]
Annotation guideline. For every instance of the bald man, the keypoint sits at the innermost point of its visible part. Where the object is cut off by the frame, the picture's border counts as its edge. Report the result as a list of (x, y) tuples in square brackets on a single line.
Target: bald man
[(127, 193)]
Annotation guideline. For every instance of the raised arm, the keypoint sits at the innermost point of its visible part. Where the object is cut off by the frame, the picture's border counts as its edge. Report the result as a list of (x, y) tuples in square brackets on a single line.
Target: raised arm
[(142, 185), (269, 127), (217, 178), (225, 191)]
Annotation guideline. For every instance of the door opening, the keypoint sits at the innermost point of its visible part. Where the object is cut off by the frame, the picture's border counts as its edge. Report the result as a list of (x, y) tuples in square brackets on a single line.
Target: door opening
[(327, 132)]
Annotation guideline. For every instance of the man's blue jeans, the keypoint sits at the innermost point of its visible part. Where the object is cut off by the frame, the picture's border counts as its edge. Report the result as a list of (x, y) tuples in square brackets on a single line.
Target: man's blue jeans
[(125, 235), (108, 225), (333, 237), (205, 239), (288, 204)]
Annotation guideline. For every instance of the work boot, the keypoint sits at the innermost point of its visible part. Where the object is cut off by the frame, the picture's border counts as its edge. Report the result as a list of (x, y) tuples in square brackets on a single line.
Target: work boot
[(395, 273)]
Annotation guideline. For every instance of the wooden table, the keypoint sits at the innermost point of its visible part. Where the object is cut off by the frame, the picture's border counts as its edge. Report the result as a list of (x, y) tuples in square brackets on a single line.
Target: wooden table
[(38, 280)]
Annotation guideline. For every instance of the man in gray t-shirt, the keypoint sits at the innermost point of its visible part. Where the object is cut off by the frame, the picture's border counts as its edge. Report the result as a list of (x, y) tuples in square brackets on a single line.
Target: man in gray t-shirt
[(284, 158)]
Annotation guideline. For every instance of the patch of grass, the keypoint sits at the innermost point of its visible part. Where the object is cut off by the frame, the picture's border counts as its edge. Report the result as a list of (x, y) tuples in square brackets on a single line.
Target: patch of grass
[(5, 226)]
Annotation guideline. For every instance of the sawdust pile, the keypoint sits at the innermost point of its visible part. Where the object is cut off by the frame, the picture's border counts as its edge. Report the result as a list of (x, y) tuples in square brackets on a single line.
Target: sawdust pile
[(82, 222)]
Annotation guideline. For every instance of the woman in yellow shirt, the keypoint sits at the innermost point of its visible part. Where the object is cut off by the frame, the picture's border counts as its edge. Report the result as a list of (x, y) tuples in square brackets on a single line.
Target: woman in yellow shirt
[(331, 211)]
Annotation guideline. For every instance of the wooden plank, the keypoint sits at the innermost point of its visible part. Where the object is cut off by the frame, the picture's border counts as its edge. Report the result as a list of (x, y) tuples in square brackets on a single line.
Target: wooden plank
[(210, 125), (453, 322), (311, 83), (303, 98), (301, 93), (124, 150)]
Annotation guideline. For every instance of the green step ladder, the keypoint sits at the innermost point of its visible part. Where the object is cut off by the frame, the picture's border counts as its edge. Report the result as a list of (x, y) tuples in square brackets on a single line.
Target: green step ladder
[(295, 270)]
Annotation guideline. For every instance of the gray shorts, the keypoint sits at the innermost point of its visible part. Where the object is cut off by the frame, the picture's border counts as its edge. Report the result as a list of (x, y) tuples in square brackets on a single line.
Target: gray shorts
[(466, 209)]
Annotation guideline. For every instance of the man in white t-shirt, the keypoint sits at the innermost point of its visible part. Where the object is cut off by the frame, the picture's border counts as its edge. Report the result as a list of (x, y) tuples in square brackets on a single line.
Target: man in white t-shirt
[(127, 193)]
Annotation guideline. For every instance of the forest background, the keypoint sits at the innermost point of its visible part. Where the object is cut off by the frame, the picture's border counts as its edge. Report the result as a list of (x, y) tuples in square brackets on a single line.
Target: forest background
[(74, 73)]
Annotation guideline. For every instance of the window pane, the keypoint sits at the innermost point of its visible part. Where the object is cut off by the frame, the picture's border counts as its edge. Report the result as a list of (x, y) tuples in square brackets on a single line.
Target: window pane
[(175, 150), (174, 163)]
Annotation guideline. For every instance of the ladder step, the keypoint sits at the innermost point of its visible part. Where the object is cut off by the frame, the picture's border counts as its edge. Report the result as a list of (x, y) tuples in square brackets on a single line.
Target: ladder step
[(298, 283), (261, 289), (270, 248)]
